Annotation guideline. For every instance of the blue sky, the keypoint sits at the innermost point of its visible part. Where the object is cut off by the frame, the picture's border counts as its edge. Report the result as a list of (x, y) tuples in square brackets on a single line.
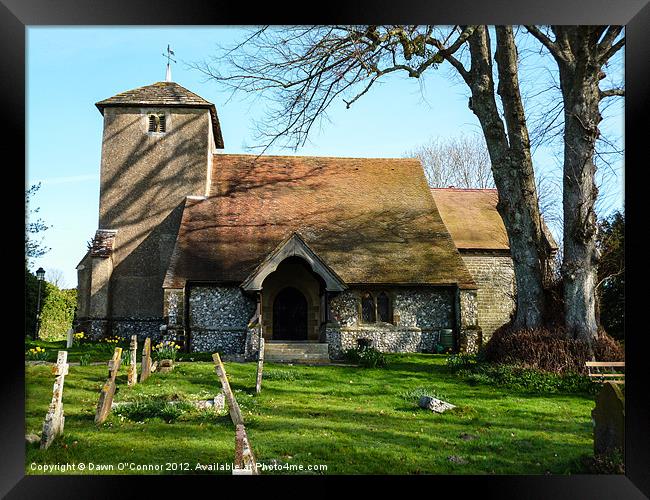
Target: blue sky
[(71, 68)]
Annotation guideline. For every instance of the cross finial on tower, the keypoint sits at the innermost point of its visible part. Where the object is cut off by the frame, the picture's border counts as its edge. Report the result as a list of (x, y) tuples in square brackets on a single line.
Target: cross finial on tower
[(170, 53)]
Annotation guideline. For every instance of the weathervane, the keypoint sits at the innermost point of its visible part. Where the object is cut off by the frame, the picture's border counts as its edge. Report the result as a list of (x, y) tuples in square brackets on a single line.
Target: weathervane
[(170, 53)]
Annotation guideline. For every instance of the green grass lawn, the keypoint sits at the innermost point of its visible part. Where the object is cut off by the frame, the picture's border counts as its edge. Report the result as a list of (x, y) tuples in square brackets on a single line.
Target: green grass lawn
[(354, 420), (96, 351)]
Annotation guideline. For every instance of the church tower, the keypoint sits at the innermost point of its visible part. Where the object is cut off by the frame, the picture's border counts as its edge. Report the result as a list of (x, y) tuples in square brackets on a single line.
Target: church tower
[(157, 149)]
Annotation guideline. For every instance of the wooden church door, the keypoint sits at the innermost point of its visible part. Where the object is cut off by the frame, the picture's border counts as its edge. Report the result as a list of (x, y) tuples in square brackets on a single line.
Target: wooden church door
[(290, 315)]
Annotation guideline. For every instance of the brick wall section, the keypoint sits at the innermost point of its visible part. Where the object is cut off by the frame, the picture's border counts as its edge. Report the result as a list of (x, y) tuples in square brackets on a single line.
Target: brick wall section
[(494, 276)]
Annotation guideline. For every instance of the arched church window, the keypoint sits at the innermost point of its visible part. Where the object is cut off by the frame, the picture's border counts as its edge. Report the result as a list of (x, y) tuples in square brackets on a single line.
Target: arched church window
[(367, 308), (383, 307)]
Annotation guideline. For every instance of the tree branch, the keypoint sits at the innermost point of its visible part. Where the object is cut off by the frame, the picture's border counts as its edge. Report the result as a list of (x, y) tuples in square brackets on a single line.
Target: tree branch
[(607, 55), (611, 93), (546, 41), (607, 41)]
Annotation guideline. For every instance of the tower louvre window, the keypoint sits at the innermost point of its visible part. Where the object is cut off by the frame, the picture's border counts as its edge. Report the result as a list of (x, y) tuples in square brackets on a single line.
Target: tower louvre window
[(157, 122)]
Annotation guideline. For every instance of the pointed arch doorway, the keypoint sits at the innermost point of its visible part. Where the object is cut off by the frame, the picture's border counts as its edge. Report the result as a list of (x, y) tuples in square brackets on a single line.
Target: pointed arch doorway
[(290, 315)]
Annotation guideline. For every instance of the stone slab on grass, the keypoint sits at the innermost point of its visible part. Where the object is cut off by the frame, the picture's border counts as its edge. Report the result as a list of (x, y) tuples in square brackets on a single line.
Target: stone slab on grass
[(433, 404)]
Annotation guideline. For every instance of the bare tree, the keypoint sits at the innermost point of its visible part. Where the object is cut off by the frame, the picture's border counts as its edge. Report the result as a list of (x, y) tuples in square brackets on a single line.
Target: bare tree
[(55, 276), (581, 53), (301, 70), (462, 161)]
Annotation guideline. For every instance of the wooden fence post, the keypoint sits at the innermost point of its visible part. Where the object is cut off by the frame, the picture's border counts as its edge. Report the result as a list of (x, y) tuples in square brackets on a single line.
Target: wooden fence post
[(55, 419), (133, 367), (260, 367), (108, 391), (146, 360)]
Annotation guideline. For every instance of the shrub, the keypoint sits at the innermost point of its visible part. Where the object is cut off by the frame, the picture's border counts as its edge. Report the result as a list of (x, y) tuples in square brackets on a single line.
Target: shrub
[(607, 348), (57, 308), (57, 312), (166, 349), (611, 463), (36, 354), (527, 379), (352, 355), (84, 360), (78, 339), (368, 357), (31, 298), (548, 350)]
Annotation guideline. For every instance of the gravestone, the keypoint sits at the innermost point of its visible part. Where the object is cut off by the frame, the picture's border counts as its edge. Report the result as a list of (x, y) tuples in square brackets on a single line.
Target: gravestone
[(235, 412), (245, 463), (166, 365), (146, 360), (133, 367), (55, 419), (108, 390), (69, 338), (609, 419), (260, 367), (219, 402)]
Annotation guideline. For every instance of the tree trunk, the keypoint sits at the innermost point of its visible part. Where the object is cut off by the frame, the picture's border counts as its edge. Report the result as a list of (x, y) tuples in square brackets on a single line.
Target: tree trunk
[(511, 166), (580, 91), (580, 53)]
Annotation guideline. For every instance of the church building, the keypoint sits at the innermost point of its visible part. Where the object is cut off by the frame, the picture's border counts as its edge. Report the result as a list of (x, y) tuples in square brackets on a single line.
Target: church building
[(216, 250)]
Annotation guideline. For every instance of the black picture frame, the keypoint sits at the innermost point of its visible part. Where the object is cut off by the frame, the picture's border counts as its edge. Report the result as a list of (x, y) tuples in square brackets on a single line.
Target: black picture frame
[(16, 15)]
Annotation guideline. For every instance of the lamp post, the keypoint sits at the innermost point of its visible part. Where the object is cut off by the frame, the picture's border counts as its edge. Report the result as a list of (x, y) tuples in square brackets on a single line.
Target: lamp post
[(40, 274)]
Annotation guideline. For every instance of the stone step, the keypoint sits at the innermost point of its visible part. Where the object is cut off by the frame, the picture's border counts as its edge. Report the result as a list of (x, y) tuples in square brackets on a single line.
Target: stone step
[(296, 352), (296, 347), (268, 355)]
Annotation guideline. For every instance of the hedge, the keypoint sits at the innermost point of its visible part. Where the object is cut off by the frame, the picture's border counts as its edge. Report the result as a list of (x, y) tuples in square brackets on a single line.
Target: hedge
[(57, 308)]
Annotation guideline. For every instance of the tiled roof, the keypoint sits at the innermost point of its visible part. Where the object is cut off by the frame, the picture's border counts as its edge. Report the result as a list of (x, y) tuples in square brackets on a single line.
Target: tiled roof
[(370, 220), (103, 243), (472, 218), (167, 94)]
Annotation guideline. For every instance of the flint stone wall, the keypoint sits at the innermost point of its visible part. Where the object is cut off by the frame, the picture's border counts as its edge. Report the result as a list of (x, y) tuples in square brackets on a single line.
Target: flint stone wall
[(218, 318), (97, 329), (418, 317)]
